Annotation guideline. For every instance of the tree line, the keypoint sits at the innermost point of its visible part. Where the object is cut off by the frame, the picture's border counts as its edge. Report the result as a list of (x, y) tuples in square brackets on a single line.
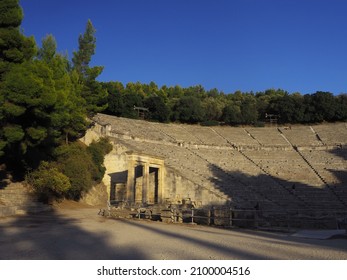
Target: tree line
[(210, 107)]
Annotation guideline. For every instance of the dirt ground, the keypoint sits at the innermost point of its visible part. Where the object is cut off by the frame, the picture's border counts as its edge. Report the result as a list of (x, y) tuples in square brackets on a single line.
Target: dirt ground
[(76, 231)]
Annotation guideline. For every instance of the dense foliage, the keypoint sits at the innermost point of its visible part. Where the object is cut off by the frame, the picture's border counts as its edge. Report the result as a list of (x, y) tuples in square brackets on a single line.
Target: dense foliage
[(197, 105), (48, 182), (44, 98), (74, 171)]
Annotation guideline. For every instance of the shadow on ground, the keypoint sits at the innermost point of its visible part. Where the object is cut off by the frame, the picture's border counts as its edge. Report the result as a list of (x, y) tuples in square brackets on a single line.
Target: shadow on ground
[(245, 244), (52, 236), (87, 236)]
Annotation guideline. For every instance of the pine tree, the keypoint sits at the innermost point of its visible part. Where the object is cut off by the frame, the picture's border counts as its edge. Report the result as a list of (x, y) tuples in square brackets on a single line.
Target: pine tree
[(91, 90), (41, 107), (68, 120), (29, 99), (48, 49), (14, 46)]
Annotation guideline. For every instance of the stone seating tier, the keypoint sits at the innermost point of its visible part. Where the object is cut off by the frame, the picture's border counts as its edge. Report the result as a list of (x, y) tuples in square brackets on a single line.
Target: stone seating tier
[(236, 136), (332, 134), (301, 136), (285, 165), (196, 166), (272, 137), (133, 128), (248, 164), (332, 166), (206, 135)]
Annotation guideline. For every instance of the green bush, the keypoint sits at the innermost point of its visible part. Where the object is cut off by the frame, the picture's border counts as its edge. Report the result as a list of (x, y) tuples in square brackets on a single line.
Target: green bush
[(49, 182), (76, 163), (98, 150), (82, 165), (75, 170)]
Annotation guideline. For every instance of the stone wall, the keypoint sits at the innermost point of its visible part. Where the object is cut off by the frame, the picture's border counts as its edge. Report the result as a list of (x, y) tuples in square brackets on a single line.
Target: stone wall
[(96, 196), (17, 198), (179, 188)]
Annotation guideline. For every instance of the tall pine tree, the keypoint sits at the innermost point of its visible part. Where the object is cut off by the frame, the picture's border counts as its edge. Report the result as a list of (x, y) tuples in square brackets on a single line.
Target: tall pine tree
[(91, 90), (15, 48), (41, 107), (68, 119)]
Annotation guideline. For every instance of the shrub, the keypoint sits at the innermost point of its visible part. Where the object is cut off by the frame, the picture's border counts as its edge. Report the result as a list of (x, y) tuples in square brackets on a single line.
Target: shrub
[(76, 163), (49, 182), (82, 165), (75, 170), (98, 150)]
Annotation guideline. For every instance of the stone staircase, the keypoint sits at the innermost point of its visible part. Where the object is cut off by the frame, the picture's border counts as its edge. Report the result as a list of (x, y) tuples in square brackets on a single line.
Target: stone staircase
[(15, 198)]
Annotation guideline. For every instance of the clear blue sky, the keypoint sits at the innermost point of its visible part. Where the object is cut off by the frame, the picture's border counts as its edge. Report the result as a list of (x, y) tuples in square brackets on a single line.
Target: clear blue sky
[(295, 45)]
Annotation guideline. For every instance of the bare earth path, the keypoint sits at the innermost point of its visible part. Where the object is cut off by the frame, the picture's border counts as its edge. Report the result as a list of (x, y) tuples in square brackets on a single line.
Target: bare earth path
[(79, 233)]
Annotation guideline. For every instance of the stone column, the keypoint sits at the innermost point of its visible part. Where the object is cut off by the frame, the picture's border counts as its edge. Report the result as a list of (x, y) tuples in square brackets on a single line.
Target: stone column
[(145, 185), (130, 181), (160, 184)]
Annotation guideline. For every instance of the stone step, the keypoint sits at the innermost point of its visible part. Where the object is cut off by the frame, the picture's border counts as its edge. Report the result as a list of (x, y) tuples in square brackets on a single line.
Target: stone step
[(34, 208), (22, 202), (13, 186), (23, 209), (13, 194), (15, 199), (19, 188), (9, 191), (16, 195), (7, 211), (18, 200)]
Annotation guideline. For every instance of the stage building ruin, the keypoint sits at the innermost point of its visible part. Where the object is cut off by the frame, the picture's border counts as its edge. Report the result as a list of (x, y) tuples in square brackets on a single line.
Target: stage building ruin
[(145, 179)]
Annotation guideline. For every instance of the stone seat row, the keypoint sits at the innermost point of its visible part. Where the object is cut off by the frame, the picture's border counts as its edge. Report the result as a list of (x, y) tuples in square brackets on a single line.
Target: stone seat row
[(264, 175), (332, 134), (235, 184)]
